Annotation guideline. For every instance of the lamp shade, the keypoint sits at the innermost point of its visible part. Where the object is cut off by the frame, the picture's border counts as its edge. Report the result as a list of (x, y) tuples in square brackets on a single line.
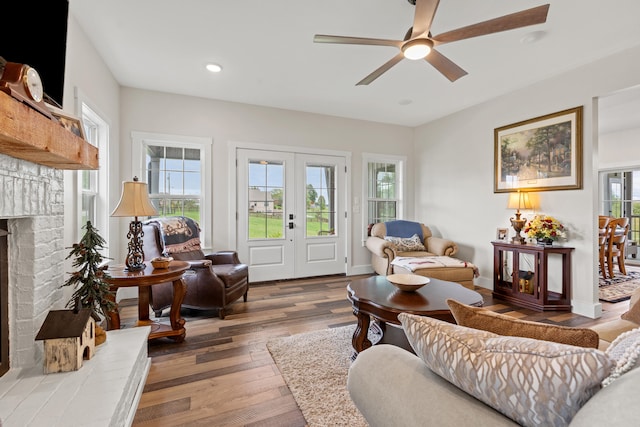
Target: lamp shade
[(134, 200), (520, 200)]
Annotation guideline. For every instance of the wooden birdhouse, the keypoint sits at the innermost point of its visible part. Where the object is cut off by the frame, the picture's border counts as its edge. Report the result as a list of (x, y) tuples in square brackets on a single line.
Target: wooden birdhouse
[(69, 338)]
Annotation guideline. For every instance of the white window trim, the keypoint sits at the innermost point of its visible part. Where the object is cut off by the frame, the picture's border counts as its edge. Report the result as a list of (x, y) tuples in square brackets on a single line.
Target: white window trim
[(140, 139), (84, 107), (400, 162)]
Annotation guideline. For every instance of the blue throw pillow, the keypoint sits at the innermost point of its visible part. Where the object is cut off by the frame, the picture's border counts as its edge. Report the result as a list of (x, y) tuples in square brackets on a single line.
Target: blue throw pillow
[(403, 228)]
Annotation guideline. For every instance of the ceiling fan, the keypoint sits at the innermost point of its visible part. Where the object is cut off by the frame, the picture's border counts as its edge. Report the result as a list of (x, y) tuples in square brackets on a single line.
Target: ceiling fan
[(418, 43)]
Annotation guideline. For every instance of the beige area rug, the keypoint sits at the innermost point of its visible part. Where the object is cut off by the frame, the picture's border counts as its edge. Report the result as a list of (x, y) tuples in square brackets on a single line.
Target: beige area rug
[(620, 287), (315, 366)]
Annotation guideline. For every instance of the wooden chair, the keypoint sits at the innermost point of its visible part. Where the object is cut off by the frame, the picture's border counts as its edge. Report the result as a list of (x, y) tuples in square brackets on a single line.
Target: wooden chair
[(603, 222), (617, 240)]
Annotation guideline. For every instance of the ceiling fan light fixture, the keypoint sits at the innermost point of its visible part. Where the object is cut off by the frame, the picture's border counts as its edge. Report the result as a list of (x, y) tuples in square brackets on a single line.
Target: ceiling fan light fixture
[(417, 48)]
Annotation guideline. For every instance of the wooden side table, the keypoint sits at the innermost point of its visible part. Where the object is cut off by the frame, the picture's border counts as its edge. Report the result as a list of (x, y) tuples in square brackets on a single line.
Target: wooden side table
[(143, 280), (530, 289)]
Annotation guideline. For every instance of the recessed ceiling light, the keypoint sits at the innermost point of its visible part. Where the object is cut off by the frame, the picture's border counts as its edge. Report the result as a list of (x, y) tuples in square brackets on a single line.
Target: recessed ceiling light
[(214, 68), (532, 37)]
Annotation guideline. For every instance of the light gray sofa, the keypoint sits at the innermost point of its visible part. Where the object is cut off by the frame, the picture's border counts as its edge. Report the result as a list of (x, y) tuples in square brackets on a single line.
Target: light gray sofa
[(393, 387)]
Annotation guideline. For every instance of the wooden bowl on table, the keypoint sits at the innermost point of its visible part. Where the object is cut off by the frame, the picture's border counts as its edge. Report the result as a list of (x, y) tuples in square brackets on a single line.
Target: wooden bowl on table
[(161, 262), (407, 282)]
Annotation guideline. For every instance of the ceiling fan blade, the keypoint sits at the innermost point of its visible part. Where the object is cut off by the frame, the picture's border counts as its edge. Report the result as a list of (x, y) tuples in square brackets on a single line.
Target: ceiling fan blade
[(322, 38), (536, 15), (425, 11), (443, 64), (381, 70)]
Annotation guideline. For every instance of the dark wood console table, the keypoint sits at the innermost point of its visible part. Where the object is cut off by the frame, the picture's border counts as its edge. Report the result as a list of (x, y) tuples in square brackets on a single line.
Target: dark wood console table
[(143, 280), (530, 288)]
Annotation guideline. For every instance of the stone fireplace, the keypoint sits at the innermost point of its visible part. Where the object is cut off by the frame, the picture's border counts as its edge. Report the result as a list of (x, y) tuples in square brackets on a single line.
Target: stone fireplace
[(32, 202)]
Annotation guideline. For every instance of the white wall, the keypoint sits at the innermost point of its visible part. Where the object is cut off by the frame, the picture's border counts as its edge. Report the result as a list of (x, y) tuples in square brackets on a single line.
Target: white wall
[(87, 74), (620, 149), (454, 170), (229, 123)]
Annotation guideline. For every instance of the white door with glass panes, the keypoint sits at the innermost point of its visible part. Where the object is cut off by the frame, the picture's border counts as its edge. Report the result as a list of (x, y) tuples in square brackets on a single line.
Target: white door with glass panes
[(292, 220)]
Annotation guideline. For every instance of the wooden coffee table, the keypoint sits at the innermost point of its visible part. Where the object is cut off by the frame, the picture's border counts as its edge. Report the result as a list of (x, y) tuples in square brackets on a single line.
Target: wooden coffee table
[(375, 297)]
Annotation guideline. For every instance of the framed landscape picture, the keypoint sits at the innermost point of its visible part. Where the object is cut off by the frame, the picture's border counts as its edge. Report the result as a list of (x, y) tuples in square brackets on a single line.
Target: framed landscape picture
[(544, 153)]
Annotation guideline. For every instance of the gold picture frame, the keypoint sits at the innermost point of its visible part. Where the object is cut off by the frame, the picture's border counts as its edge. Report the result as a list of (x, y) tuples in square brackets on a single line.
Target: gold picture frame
[(69, 122), (540, 154)]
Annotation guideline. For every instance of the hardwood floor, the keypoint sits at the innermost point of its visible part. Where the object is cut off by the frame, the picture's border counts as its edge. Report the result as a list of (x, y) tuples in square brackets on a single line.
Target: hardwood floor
[(223, 374)]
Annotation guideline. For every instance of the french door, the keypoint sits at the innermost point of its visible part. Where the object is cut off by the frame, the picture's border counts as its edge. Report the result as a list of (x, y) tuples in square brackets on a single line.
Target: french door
[(292, 219)]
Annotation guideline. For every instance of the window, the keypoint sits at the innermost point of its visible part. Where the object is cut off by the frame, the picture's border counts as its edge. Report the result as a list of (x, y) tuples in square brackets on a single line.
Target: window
[(384, 188), (321, 216), (266, 193), (620, 197), (176, 171), (93, 187)]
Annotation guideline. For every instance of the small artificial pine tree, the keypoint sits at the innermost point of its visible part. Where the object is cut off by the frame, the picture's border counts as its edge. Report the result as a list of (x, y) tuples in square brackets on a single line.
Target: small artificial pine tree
[(92, 291)]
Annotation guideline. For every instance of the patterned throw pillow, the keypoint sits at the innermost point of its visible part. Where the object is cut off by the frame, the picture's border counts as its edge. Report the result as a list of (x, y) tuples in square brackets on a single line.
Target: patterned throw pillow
[(625, 350), (533, 382), (406, 244)]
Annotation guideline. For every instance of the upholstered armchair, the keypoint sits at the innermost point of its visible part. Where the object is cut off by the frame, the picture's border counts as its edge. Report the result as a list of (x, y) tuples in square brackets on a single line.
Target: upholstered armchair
[(383, 251), (214, 281)]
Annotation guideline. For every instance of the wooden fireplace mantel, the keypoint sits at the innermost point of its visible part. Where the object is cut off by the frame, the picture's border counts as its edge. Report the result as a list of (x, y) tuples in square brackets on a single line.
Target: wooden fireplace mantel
[(29, 135)]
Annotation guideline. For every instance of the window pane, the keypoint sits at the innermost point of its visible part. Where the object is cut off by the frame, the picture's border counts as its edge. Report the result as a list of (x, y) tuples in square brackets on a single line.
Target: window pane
[(382, 191), (191, 160), (175, 180), (321, 193), (86, 179), (381, 211), (621, 198), (192, 181), (265, 194), (174, 183), (88, 210)]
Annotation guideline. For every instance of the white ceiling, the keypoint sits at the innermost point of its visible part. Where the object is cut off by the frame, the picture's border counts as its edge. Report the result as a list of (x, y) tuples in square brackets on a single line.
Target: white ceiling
[(269, 58)]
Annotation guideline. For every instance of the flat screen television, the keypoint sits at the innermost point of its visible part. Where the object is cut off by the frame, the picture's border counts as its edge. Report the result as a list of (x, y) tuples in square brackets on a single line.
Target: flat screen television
[(37, 38)]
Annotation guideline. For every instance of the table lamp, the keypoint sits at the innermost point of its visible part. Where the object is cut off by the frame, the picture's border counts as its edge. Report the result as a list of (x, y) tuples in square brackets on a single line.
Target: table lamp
[(134, 202), (519, 200)]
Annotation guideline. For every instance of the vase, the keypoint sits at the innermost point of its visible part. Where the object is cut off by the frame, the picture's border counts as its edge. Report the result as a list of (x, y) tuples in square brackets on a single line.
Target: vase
[(545, 241)]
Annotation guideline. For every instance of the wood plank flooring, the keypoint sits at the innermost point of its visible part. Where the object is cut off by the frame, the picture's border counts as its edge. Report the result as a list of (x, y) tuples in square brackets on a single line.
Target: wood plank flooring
[(223, 374)]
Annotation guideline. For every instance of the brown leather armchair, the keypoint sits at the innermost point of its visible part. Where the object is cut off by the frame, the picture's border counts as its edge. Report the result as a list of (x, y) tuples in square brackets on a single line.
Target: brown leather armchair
[(214, 281)]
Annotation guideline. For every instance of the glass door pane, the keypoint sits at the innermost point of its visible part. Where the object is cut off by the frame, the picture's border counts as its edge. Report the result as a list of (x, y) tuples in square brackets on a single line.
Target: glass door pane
[(321, 195), (265, 195)]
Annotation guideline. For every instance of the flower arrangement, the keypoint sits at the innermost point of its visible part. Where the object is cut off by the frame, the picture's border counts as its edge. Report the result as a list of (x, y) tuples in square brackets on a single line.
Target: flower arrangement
[(544, 227)]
